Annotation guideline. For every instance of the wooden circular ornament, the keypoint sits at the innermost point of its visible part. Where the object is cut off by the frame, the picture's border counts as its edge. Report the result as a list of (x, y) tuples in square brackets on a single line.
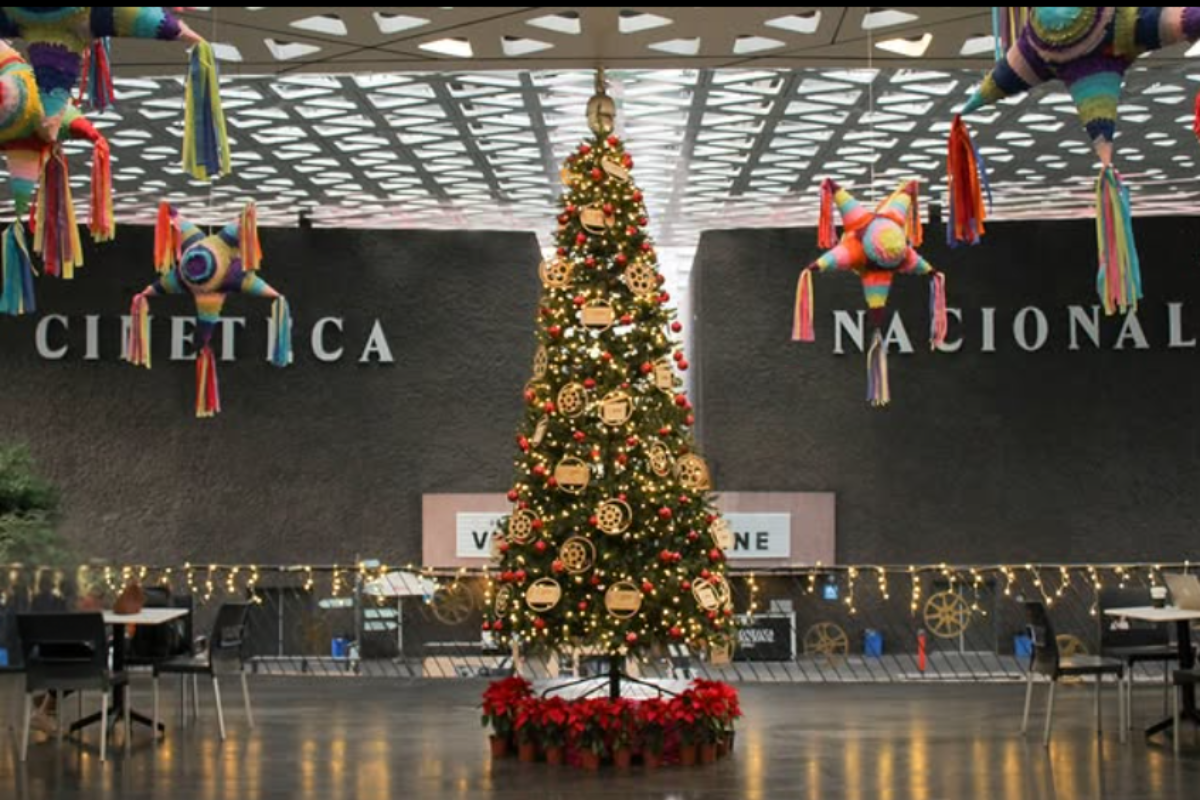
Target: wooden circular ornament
[(503, 598), (660, 458), (572, 475), (614, 517), (615, 169), (664, 376), (641, 278), (541, 363), (543, 594), (597, 315), (711, 596), (539, 433), (555, 273), (616, 408), (578, 554), (601, 114), (520, 525), (693, 473), (572, 400), (623, 600)]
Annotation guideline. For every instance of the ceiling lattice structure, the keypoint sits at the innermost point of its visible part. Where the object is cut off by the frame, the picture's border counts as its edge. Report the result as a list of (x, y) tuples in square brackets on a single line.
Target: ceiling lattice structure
[(714, 148)]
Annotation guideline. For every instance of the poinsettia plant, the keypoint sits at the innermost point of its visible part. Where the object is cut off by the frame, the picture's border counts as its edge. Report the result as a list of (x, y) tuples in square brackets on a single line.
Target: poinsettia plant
[(501, 700), (653, 719), (552, 720)]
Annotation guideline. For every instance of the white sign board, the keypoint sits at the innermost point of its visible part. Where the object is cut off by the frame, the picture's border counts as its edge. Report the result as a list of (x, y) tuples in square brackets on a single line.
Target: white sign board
[(760, 536), (474, 533)]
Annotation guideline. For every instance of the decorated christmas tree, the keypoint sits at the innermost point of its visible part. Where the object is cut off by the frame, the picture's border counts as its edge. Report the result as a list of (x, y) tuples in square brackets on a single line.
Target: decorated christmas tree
[(613, 543)]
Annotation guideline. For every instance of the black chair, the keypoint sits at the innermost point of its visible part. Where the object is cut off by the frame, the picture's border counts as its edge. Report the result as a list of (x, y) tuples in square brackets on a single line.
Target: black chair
[(1182, 677), (222, 656), (1047, 661), (1134, 642), (68, 652)]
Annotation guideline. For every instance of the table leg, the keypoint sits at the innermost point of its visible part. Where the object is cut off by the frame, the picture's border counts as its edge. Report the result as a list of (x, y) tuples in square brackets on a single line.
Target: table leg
[(1187, 659)]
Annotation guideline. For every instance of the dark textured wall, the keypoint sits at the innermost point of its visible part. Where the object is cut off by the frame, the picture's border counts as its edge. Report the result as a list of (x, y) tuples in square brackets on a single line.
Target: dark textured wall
[(314, 463), (1007, 456)]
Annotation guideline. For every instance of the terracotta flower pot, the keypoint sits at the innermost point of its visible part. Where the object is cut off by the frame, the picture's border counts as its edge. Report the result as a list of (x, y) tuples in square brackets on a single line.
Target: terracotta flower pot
[(622, 758), (687, 755), (589, 760), (722, 747), (499, 746), (554, 755), (651, 759), (708, 753), (527, 752)]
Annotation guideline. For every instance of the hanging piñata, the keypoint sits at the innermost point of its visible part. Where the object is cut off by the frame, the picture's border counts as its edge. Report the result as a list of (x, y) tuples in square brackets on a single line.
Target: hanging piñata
[(1089, 50), (210, 268), (875, 245), (67, 46)]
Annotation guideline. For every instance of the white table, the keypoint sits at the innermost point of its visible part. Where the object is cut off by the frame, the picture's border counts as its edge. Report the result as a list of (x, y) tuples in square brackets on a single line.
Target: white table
[(1183, 619), (118, 622)]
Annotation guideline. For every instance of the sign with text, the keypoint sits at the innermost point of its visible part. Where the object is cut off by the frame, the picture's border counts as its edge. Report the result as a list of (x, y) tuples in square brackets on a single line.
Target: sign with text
[(757, 536), (769, 529), (474, 531)]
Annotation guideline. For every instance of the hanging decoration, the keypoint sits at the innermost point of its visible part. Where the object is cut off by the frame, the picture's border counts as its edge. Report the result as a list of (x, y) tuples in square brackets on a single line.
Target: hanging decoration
[(876, 246), (68, 50), (210, 268), (1089, 50)]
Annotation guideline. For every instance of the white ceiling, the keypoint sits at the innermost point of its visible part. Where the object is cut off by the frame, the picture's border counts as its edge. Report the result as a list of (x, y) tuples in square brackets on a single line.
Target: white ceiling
[(460, 147)]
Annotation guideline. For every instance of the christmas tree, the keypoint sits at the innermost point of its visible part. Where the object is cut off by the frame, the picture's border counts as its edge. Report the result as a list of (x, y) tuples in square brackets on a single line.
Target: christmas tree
[(613, 543)]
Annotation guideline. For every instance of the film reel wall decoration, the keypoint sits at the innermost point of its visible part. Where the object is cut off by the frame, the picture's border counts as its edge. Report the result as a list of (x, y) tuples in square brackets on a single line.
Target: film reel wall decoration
[(614, 517)]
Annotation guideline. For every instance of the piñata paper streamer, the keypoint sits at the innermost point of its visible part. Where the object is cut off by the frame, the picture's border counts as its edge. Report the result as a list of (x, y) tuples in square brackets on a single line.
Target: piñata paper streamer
[(16, 288), (102, 223), (967, 182), (97, 88), (208, 392), (879, 393), (802, 325), (1119, 278), (205, 143), (56, 236)]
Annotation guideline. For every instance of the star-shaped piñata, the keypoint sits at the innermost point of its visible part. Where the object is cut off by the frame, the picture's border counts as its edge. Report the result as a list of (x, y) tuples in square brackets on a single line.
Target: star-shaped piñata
[(875, 245), (210, 268)]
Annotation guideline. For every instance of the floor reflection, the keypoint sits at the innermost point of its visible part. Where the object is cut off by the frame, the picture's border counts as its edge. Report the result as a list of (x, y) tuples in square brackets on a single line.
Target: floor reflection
[(326, 740)]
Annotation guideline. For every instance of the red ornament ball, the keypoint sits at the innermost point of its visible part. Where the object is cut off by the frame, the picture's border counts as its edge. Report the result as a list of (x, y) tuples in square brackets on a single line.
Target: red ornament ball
[(677, 326), (676, 632), (665, 297), (683, 365), (557, 565), (632, 441), (704, 573), (530, 395), (608, 209), (563, 219), (593, 520), (584, 149), (690, 419), (636, 197), (715, 554), (692, 536), (579, 436), (613, 140), (539, 623), (523, 443), (647, 368), (580, 238), (665, 430), (487, 626), (647, 587), (519, 576), (590, 261), (665, 513), (552, 482), (497, 625), (681, 400), (597, 174), (595, 581), (686, 586), (590, 383), (665, 556), (631, 231), (570, 208), (628, 161), (562, 251), (537, 524), (643, 221), (583, 606), (627, 319), (647, 247), (513, 495), (622, 459), (555, 331), (503, 547), (548, 407), (677, 355), (621, 259), (712, 615), (631, 637), (539, 469), (579, 300), (540, 546)]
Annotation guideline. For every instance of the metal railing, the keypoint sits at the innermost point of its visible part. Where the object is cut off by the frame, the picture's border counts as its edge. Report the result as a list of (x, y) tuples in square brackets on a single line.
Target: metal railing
[(951, 623)]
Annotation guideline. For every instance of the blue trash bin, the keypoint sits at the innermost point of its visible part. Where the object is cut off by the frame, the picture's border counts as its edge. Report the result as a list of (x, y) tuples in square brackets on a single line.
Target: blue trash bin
[(340, 647), (873, 644), (1023, 646)]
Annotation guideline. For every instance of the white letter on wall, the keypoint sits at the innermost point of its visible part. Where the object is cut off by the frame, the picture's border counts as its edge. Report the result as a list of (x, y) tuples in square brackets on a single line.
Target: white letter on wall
[(1132, 329), (897, 335), (182, 331), (988, 324), (1042, 328), (318, 340), (844, 323), (1175, 317), (1079, 319), (377, 346), (42, 337), (954, 346), (229, 326)]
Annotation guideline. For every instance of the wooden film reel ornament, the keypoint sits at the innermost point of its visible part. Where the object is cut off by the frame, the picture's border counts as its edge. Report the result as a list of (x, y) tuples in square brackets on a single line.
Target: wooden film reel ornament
[(693, 473), (520, 525), (623, 600), (572, 400), (555, 273), (614, 517), (664, 376), (616, 408), (712, 594), (720, 651), (597, 316), (661, 461), (615, 169), (577, 554), (543, 595), (503, 598), (572, 475), (642, 279)]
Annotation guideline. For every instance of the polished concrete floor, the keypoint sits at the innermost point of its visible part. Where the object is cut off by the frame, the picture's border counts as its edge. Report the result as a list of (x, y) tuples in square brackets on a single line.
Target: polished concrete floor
[(329, 739)]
